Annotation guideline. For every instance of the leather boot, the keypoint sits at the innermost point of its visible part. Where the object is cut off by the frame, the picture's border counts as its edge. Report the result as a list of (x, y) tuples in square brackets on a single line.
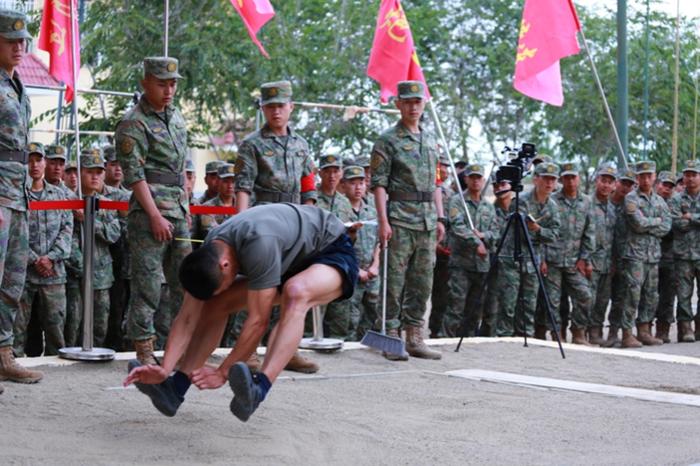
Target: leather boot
[(644, 335), (662, 330), (628, 339), (595, 335), (578, 336), (416, 347), (396, 333), (253, 362), (10, 370), (541, 332), (613, 338), (685, 332), (299, 363), (144, 351)]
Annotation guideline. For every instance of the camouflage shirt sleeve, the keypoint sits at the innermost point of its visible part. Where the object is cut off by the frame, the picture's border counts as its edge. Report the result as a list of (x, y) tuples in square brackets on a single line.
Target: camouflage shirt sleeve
[(130, 138), (677, 221), (309, 169), (246, 167), (664, 225), (638, 222), (107, 227), (381, 164), (588, 239), (61, 248), (549, 226)]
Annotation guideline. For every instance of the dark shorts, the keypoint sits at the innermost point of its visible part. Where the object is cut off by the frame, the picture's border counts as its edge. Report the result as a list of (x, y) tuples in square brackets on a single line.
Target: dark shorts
[(341, 256)]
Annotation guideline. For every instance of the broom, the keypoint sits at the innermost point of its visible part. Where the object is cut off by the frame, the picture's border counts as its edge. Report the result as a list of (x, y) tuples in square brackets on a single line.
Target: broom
[(382, 341)]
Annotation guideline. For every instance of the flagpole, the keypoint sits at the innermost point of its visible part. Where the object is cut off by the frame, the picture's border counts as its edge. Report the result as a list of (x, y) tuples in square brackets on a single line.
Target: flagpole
[(623, 156), (166, 25), (433, 112), (676, 85), (74, 107)]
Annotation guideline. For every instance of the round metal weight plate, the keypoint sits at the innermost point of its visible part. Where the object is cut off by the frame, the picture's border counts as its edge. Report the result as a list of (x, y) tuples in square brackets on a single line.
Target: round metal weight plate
[(324, 344), (77, 353)]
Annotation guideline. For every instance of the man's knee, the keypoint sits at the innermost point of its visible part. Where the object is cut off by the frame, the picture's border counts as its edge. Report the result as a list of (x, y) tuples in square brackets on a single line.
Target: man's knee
[(295, 293)]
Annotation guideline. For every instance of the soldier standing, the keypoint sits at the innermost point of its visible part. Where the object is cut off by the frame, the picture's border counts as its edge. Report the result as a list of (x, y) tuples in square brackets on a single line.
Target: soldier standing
[(190, 177), (665, 187), (225, 198), (648, 219), (469, 260), (601, 259), (685, 210), (410, 214), (441, 275), (151, 141), (211, 178), (14, 245)]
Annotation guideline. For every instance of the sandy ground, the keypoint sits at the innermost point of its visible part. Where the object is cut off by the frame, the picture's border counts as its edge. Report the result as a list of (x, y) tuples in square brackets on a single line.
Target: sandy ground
[(396, 413)]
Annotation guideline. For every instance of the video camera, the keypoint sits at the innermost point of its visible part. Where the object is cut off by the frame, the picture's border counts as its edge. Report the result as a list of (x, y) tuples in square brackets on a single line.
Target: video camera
[(517, 167)]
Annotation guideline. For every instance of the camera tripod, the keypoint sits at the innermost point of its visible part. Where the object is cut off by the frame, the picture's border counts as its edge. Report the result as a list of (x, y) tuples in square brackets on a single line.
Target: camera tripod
[(516, 221)]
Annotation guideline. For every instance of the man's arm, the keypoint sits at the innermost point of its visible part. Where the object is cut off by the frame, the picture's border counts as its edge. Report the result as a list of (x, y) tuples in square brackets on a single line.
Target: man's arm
[(437, 198)]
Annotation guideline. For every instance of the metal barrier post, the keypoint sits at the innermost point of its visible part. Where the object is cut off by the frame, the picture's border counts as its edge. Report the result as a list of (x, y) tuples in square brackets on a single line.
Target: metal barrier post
[(318, 342)]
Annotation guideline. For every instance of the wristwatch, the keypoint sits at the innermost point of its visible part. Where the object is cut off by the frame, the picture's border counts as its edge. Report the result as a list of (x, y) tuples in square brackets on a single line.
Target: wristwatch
[(442, 220)]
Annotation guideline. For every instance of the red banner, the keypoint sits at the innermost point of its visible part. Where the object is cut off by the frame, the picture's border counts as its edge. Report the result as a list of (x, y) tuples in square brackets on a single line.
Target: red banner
[(393, 57), (56, 37), (254, 13), (75, 204)]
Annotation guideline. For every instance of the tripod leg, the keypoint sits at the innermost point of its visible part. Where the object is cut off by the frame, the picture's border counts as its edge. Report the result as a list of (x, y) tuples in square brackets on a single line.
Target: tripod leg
[(540, 280)]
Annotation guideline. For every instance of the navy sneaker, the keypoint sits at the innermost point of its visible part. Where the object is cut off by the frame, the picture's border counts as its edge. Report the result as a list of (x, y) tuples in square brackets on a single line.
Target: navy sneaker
[(163, 395), (247, 393)]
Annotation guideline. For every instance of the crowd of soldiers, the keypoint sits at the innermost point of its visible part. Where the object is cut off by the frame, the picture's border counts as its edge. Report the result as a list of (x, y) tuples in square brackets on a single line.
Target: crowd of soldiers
[(623, 254)]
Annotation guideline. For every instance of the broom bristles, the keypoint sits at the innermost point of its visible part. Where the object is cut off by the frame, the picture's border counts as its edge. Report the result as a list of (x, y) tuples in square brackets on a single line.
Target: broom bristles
[(385, 343)]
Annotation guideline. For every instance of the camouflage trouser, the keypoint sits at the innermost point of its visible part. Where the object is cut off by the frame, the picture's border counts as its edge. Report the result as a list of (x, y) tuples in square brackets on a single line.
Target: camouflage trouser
[(14, 254), (365, 309), (74, 311), (687, 274), (600, 292), (509, 283), (336, 319), (163, 317), (118, 302), (151, 259), (668, 286), (617, 297), (641, 292), (463, 299), (50, 304), (438, 298), (568, 280), (409, 276), (490, 308), (100, 315)]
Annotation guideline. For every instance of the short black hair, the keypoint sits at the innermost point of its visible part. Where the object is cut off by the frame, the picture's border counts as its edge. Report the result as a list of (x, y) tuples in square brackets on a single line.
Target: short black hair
[(199, 272)]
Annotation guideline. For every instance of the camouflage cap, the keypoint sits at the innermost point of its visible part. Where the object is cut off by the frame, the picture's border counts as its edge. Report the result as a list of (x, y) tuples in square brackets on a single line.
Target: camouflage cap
[(645, 166), (162, 67), (691, 166), (474, 169), (411, 90), (71, 165), (13, 25), (189, 165), (460, 164), (353, 172), (540, 158), (362, 161), (55, 152), (36, 148), (606, 169), (110, 153), (568, 168), (92, 158), (679, 178), (666, 177), (327, 161), (277, 92), (212, 168), (627, 174), (547, 169), (226, 170)]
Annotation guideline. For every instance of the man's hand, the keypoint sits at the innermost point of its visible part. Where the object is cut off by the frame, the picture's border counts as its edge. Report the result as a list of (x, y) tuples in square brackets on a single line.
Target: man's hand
[(161, 228), (208, 378), (478, 234), (44, 266), (385, 233), (440, 232), (79, 215), (544, 269), (188, 217), (533, 226), (687, 216), (373, 271), (353, 229), (363, 276), (150, 374), (481, 250), (581, 266)]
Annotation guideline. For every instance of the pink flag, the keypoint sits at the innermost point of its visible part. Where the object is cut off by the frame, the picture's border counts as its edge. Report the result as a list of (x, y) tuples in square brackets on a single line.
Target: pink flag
[(547, 34), (393, 57), (254, 13), (57, 38)]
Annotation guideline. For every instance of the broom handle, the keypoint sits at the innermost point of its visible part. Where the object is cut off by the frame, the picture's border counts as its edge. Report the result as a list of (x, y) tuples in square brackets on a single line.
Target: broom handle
[(385, 246)]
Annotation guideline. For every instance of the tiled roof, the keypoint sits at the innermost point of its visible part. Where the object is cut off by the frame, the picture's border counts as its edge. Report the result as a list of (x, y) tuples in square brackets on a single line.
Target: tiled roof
[(33, 71)]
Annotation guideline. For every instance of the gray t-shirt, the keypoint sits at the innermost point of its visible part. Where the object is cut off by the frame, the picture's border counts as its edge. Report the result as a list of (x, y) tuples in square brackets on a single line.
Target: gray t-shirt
[(272, 239)]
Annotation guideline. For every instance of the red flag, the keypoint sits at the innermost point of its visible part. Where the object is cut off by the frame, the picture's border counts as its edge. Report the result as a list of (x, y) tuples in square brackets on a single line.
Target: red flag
[(393, 57), (254, 13), (547, 34), (56, 37)]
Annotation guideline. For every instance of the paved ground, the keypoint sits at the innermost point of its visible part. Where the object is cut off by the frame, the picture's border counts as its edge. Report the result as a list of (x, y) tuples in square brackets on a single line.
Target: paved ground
[(363, 409)]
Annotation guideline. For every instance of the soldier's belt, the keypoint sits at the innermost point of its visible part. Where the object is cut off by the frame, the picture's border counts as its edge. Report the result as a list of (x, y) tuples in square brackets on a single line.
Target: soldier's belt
[(266, 196), (412, 196), (13, 156), (176, 179)]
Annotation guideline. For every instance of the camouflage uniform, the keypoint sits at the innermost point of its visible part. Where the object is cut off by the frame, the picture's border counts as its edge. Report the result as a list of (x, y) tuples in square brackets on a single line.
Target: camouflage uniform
[(15, 114), (576, 242), (686, 245), (648, 219), (50, 234), (405, 165), (210, 168), (667, 274), (152, 147), (202, 224), (441, 275), (491, 306), (467, 270), (510, 280)]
